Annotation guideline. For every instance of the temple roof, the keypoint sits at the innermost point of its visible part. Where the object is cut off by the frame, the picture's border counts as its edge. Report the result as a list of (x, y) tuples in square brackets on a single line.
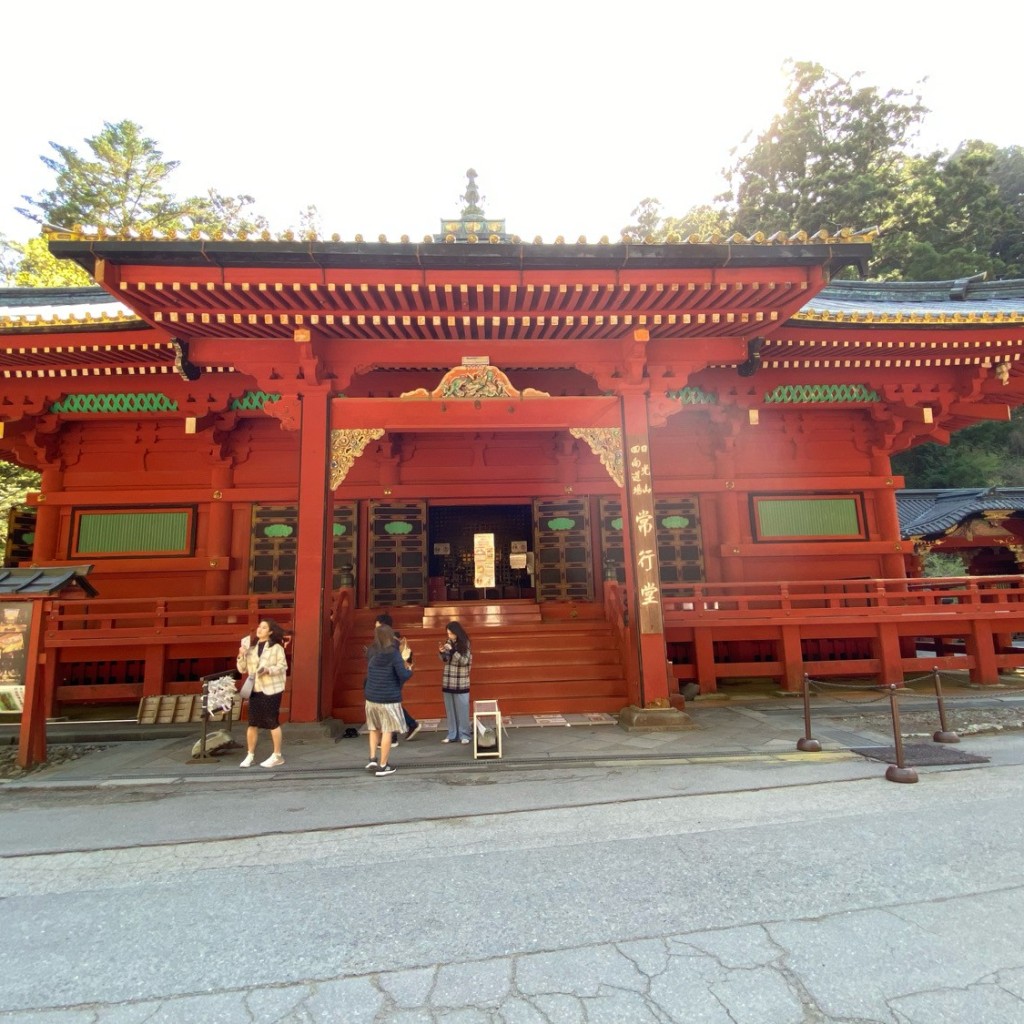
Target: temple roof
[(29, 308), (926, 513), (834, 251), (857, 302), (52, 580), (911, 302)]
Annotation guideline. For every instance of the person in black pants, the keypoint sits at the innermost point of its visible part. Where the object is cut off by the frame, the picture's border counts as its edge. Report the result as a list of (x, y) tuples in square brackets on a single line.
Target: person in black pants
[(412, 727)]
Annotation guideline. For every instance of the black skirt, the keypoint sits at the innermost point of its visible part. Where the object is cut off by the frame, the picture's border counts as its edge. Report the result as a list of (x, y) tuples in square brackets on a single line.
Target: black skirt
[(264, 709)]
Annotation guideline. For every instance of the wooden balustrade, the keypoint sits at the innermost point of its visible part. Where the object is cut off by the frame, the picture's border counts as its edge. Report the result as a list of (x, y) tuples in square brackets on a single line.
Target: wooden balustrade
[(882, 629), (722, 630), (200, 632)]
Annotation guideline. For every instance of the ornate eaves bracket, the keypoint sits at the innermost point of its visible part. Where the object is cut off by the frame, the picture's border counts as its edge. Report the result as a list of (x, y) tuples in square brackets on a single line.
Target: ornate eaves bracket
[(346, 447), (606, 444)]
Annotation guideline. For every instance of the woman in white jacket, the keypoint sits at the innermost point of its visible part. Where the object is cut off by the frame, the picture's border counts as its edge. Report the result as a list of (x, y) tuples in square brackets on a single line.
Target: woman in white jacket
[(263, 660)]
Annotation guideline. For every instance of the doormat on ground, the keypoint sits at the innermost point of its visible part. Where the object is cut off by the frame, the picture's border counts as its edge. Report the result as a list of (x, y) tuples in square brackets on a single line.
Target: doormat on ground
[(921, 755)]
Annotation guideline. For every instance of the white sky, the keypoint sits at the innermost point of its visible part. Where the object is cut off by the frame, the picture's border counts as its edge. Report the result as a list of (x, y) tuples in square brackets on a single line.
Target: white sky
[(571, 111)]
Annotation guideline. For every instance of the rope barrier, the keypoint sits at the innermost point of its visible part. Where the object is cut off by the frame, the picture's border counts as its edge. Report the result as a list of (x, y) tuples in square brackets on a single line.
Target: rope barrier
[(901, 692)]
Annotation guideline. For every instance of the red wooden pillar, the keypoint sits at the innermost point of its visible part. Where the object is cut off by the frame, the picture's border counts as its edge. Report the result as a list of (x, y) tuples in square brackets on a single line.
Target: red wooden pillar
[(32, 734), (981, 647), (312, 569), (704, 659), (47, 531), (890, 658), (729, 508), (792, 659), (894, 565), (218, 532), (643, 548)]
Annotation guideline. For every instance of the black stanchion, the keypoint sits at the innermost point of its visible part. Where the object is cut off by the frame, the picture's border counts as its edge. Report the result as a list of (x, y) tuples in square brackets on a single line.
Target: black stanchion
[(944, 735), (806, 742), (898, 772)]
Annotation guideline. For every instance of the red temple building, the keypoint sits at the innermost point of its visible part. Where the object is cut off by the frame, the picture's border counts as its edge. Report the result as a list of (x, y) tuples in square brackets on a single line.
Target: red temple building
[(632, 470)]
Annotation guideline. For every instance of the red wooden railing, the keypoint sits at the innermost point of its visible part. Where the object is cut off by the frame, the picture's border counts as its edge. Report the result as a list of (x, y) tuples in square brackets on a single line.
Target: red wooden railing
[(946, 596), (201, 632), (710, 629), (616, 611), (871, 628)]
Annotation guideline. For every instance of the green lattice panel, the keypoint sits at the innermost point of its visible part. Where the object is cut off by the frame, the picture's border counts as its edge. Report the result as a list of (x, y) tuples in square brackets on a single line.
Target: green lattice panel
[(124, 533), (829, 394), (693, 396), (253, 400), (810, 517), (121, 402)]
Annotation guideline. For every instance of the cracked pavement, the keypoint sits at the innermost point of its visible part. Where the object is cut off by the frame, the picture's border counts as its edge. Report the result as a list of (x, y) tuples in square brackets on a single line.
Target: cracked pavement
[(819, 895)]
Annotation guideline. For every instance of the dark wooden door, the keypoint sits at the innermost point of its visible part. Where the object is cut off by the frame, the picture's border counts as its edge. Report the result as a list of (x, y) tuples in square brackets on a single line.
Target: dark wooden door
[(561, 544), (397, 553)]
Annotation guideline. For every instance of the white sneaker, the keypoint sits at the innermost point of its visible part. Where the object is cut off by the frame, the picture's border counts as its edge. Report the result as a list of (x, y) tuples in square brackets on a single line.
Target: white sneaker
[(249, 758), (272, 762)]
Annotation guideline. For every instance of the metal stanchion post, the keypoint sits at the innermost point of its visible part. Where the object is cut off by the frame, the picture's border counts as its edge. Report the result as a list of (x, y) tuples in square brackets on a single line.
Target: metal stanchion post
[(898, 772), (944, 735), (806, 743)]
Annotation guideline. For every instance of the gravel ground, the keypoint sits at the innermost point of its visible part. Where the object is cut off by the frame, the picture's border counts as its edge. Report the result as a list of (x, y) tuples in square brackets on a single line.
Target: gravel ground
[(964, 721), (56, 754)]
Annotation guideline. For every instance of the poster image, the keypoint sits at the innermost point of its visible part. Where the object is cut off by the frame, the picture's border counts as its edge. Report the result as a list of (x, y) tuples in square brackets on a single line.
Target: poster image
[(15, 617), (483, 560)]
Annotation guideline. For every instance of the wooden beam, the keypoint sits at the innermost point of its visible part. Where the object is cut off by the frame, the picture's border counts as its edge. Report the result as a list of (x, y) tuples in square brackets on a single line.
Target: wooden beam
[(458, 414), (980, 411)]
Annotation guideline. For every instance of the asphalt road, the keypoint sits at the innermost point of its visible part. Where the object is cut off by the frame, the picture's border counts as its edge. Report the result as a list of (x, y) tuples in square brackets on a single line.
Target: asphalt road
[(732, 893)]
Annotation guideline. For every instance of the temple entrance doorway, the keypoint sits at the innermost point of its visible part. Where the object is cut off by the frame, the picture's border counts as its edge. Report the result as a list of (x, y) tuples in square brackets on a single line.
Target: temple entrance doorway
[(451, 530)]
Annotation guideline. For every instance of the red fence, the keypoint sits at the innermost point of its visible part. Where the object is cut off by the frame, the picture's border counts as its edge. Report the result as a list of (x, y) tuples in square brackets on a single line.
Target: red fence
[(121, 649), (882, 629)]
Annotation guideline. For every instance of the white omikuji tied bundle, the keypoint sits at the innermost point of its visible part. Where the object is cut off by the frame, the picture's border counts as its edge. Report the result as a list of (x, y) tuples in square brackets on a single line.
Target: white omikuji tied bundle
[(220, 693)]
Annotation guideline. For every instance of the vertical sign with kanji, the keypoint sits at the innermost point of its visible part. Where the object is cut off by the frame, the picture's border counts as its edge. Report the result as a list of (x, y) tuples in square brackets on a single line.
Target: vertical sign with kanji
[(644, 534)]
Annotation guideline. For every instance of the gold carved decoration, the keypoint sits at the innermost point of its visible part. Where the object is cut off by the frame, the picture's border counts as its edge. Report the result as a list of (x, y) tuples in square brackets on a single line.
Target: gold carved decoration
[(606, 444), (475, 382), (346, 447)]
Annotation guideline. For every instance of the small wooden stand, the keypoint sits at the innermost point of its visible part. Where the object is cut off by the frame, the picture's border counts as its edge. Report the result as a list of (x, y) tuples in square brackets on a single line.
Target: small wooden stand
[(486, 712)]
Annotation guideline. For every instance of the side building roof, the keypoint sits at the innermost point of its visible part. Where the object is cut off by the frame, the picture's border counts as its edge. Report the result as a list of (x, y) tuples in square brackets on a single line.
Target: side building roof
[(929, 513)]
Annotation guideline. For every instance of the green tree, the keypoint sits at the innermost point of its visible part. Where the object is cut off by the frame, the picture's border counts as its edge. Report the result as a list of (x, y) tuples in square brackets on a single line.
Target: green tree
[(121, 185), (10, 257), (650, 225), (943, 564), (217, 213), (37, 267), (833, 157), (983, 455), (948, 219)]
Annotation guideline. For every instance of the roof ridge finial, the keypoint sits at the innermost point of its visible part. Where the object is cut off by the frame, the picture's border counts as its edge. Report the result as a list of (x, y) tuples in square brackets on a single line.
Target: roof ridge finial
[(471, 197), (472, 224)]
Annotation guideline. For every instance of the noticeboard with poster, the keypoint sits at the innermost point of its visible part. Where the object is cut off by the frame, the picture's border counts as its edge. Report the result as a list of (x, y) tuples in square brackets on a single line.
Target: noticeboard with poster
[(15, 619)]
